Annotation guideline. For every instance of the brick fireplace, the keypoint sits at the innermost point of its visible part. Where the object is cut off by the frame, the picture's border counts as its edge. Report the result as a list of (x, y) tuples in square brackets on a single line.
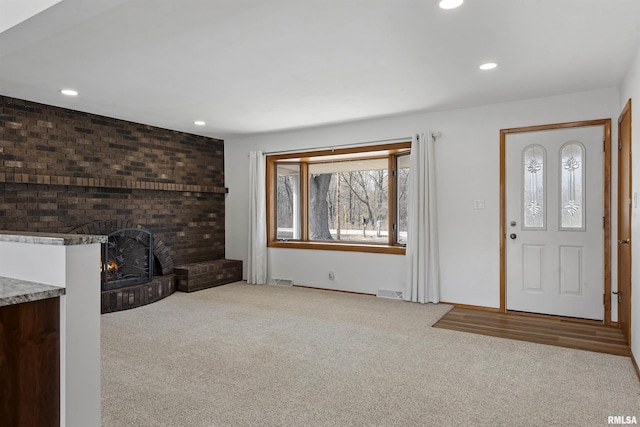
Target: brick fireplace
[(62, 170)]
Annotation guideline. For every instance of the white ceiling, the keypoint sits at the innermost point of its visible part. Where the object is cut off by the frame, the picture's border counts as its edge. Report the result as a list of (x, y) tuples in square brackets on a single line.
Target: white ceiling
[(250, 66), (13, 12)]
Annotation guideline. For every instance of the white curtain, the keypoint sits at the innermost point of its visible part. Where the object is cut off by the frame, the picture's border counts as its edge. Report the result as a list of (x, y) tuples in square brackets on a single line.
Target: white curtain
[(423, 273), (257, 260)]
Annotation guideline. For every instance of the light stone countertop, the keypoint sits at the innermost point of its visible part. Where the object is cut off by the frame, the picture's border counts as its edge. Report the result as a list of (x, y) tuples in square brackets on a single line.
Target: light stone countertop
[(50, 238), (15, 291)]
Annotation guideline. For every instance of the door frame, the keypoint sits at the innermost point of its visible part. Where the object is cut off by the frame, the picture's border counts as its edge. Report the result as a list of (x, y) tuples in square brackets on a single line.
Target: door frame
[(626, 112), (606, 123)]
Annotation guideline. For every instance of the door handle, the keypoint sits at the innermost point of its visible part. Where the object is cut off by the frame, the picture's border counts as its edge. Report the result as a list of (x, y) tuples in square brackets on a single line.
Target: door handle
[(624, 241), (513, 235), (619, 294)]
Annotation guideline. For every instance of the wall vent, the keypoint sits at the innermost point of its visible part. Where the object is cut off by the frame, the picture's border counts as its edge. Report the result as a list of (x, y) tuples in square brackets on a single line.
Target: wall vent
[(385, 293), (281, 282)]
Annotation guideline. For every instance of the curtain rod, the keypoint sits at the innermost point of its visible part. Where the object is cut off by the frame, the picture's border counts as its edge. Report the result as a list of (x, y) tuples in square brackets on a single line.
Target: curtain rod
[(331, 147), (435, 135)]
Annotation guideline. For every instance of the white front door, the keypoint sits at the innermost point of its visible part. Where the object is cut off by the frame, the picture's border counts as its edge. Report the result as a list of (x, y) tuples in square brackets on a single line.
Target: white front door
[(555, 228)]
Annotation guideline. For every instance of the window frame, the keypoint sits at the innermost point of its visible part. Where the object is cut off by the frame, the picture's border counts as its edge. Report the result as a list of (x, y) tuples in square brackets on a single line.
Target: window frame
[(393, 199), (304, 158)]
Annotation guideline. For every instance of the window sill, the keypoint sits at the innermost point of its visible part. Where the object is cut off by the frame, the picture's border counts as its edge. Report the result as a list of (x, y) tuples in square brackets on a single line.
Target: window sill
[(347, 247)]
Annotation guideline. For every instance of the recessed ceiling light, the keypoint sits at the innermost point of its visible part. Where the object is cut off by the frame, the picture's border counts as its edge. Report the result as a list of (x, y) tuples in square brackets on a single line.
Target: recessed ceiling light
[(450, 4), (69, 92), (488, 66), (199, 123)]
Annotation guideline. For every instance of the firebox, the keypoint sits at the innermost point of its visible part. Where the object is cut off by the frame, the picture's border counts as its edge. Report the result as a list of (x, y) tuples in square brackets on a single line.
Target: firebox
[(127, 258)]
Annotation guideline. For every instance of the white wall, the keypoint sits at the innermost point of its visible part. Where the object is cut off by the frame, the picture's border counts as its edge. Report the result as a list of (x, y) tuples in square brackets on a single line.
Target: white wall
[(20, 261), (630, 89), (467, 170), (80, 333)]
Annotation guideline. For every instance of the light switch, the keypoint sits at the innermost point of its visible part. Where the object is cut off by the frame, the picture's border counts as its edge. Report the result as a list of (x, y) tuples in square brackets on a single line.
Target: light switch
[(478, 204)]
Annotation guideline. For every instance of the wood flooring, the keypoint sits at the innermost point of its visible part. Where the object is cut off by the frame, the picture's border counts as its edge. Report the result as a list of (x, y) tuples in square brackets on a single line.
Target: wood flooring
[(551, 330)]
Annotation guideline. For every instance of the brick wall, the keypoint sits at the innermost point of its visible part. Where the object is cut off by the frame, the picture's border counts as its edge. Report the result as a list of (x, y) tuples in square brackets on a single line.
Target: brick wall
[(60, 169)]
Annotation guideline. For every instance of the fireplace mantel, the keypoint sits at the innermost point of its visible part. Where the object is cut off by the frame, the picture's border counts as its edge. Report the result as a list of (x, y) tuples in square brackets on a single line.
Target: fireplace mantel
[(24, 178), (70, 262)]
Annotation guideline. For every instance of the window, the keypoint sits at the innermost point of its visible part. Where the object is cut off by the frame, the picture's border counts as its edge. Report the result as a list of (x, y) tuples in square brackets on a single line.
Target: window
[(571, 184), (348, 199), (288, 206), (534, 211)]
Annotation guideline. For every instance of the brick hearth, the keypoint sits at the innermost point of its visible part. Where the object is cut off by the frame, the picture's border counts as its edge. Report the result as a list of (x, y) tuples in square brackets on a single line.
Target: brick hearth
[(138, 295)]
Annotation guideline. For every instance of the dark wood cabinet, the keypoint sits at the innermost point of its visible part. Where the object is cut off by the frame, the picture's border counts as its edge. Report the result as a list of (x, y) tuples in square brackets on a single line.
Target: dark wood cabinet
[(30, 363)]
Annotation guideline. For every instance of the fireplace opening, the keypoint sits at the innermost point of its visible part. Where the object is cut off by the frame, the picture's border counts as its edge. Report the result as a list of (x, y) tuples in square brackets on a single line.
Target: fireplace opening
[(127, 258)]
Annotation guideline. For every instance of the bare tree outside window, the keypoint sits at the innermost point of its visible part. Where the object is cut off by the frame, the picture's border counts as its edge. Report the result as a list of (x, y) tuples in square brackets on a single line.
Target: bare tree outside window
[(319, 206), (349, 201), (288, 201)]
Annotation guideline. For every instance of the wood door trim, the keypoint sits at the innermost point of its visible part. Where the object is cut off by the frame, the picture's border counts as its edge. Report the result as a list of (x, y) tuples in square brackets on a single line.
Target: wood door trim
[(626, 111), (606, 123)]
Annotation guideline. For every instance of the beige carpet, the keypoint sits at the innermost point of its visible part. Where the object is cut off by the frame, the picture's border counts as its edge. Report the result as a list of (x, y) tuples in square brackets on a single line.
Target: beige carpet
[(242, 355)]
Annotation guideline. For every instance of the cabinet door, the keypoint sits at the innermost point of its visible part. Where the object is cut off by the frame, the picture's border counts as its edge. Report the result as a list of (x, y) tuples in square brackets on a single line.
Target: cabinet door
[(30, 363)]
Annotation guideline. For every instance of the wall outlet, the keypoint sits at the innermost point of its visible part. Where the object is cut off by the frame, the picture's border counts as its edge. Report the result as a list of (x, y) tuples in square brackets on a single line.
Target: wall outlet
[(331, 276)]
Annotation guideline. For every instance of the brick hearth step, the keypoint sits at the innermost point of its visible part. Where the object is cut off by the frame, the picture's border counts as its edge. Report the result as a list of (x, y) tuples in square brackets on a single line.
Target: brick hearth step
[(138, 295), (202, 275)]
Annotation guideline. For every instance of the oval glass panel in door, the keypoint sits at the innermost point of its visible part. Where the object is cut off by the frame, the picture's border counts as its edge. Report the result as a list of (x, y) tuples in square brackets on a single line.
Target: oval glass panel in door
[(571, 186), (534, 209)]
